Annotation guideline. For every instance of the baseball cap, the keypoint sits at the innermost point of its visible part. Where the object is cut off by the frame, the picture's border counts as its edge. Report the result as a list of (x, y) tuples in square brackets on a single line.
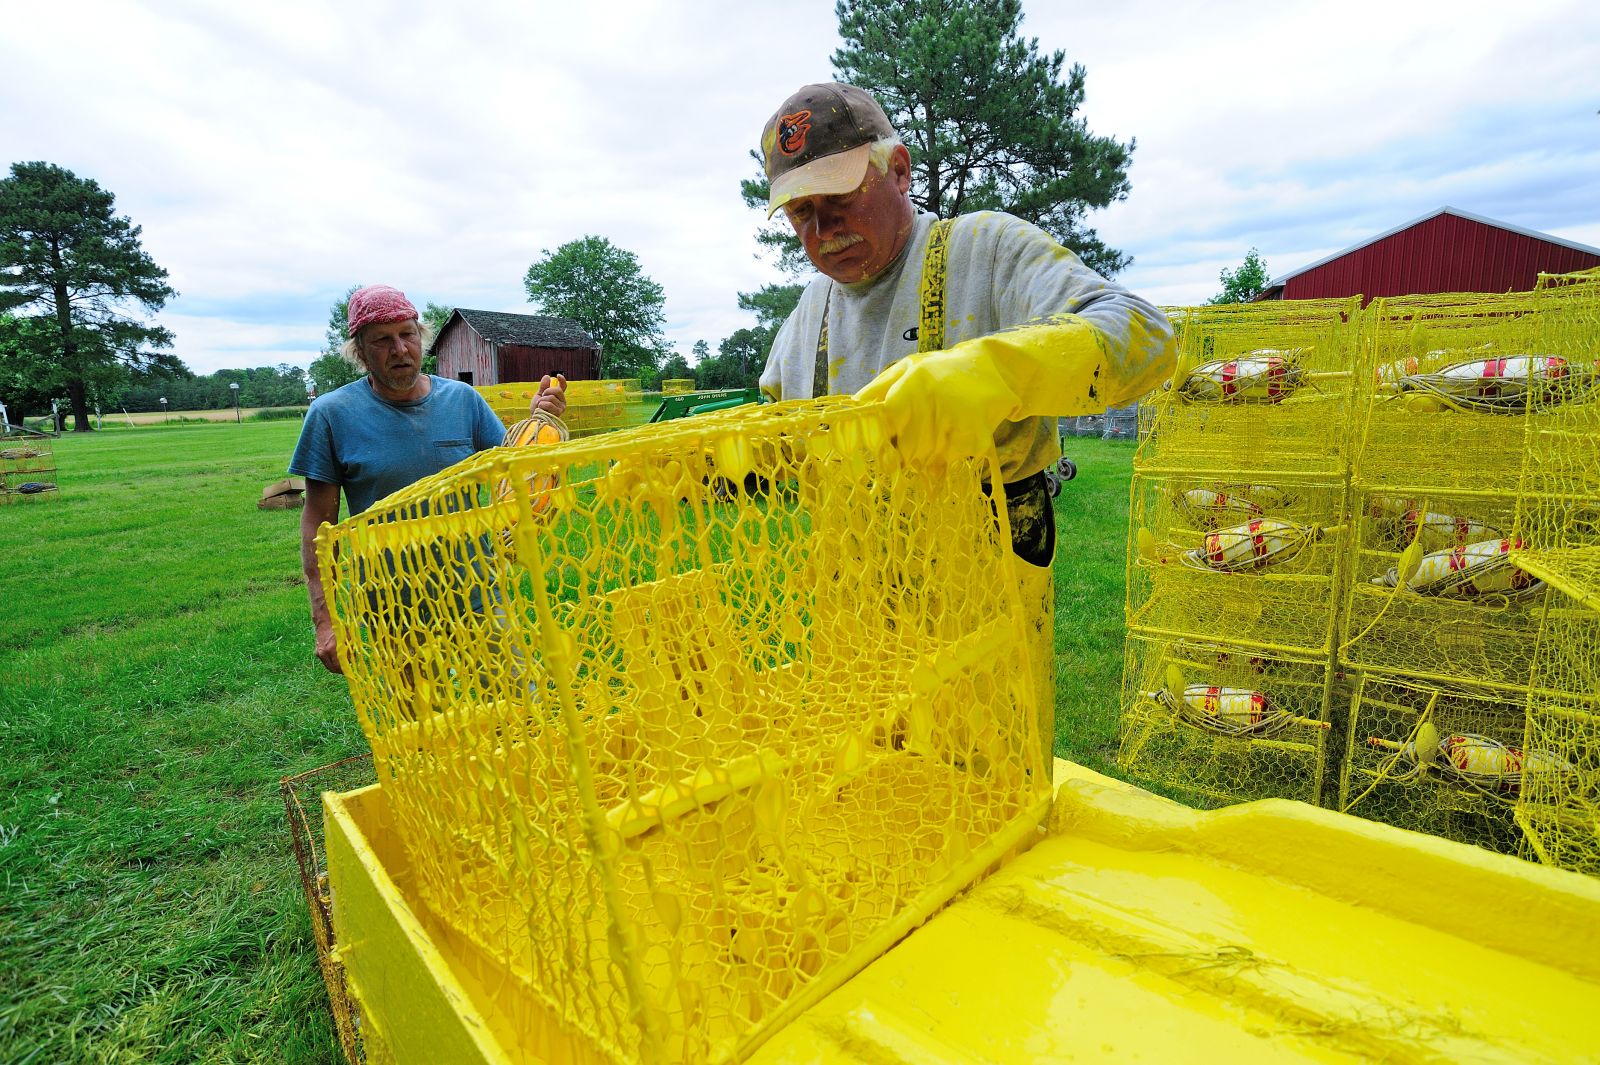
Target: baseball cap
[(817, 143)]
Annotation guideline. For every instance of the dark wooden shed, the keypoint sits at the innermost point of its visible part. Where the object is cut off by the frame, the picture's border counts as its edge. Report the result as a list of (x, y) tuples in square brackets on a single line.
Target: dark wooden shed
[(1446, 251), (494, 348)]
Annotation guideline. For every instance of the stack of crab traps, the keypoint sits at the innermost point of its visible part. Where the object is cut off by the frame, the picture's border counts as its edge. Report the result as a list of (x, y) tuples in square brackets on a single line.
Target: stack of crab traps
[(1441, 627), (1364, 564), (1237, 548)]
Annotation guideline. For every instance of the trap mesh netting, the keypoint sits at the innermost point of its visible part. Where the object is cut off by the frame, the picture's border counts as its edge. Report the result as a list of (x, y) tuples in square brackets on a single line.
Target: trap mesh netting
[(682, 725), (1221, 724), (1446, 404), (1558, 541), (593, 407), (1441, 560), (1455, 610), (1558, 802), (1265, 387), (27, 468), (1439, 758), (1240, 559)]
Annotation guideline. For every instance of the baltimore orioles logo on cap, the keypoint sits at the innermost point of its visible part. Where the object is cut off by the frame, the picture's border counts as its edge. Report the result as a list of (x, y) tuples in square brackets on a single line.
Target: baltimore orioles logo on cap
[(792, 130)]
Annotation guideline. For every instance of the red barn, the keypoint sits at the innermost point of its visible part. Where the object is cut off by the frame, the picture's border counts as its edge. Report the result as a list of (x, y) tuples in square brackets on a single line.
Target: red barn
[(491, 348), (1446, 251)]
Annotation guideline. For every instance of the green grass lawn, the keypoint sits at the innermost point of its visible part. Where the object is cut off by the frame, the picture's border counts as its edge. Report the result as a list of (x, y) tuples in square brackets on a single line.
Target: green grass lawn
[(156, 680)]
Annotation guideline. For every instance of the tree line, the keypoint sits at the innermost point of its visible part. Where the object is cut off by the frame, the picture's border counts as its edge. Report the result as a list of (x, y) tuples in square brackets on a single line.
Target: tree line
[(992, 123)]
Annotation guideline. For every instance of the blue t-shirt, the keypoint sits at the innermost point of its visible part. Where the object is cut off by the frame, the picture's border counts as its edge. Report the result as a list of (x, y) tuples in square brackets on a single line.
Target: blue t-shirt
[(371, 447)]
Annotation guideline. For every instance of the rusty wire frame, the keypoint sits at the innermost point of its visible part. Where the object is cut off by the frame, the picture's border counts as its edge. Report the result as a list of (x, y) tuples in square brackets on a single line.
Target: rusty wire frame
[(302, 801)]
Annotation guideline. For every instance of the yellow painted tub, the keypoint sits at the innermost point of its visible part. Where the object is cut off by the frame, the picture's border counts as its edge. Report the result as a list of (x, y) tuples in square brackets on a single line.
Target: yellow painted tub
[(1140, 930)]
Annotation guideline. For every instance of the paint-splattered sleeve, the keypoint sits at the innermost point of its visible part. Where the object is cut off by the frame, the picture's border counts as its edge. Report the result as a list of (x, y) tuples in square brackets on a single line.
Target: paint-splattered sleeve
[(1035, 277), (783, 348), (794, 350)]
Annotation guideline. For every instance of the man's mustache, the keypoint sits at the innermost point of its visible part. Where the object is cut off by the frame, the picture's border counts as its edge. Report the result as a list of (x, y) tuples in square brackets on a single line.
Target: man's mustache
[(838, 244)]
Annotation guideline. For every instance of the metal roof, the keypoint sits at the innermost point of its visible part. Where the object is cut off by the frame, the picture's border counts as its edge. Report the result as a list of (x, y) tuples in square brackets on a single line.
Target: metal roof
[(530, 330), (1278, 282)]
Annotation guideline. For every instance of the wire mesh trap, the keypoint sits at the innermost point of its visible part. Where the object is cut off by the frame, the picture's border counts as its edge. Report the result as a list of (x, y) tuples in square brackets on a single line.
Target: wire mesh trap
[(739, 702), (1224, 723), (27, 468), (1258, 389), (1440, 758), (302, 801)]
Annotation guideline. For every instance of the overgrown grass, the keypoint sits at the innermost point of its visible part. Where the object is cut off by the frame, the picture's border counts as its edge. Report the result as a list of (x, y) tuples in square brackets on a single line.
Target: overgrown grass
[(156, 680)]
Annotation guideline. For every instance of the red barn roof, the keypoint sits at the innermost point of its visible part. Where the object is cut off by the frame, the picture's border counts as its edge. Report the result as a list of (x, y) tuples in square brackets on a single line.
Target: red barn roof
[(1448, 250)]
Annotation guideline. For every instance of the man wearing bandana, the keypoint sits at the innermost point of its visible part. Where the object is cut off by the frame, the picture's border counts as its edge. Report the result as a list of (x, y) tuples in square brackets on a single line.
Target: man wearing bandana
[(385, 431)]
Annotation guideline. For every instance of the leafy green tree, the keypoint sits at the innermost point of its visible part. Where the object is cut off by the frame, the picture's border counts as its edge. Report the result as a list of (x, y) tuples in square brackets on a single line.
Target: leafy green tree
[(740, 359), (774, 235), (744, 354), (72, 267), (771, 304), (990, 120), (338, 323), (1244, 284), (434, 315), (601, 287), (28, 380), (330, 369), (676, 368), (329, 372)]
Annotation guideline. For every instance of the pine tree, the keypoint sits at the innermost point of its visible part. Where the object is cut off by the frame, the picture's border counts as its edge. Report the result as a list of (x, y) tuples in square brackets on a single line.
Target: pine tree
[(73, 270), (989, 120)]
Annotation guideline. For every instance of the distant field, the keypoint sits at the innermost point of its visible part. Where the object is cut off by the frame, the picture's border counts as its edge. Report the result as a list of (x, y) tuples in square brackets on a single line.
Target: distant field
[(119, 418), (155, 651)]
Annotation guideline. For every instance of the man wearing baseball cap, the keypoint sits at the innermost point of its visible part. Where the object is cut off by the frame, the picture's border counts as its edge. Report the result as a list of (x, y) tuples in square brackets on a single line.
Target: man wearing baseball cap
[(974, 332), (387, 430)]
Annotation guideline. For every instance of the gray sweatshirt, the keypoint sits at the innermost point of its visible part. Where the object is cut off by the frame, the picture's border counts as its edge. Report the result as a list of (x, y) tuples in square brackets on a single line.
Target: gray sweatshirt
[(1000, 272)]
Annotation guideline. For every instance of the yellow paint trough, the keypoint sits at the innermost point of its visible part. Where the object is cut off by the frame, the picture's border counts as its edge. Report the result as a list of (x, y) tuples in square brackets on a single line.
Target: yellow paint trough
[(1139, 930)]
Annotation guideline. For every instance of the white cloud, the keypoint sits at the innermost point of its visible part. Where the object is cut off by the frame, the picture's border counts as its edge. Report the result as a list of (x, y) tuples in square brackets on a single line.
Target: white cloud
[(277, 154)]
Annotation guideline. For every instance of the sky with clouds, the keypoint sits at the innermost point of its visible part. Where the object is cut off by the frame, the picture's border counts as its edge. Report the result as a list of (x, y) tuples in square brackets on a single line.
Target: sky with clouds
[(276, 154)]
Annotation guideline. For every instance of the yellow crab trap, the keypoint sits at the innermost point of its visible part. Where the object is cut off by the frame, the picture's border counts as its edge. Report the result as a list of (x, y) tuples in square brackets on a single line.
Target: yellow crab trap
[(1444, 759), (1221, 723), (1558, 805), (1456, 378), (1558, 531), (1558, 520), (1260, 387), (682, 726), (1434, 592), (1241, 560), (592, 406)]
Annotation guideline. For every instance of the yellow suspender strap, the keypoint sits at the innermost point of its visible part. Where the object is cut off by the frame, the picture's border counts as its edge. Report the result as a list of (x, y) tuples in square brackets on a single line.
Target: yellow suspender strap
[(930, 322)]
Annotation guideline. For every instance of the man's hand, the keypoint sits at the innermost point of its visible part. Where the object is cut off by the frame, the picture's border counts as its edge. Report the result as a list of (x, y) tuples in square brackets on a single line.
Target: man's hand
[(940, 407), (321, 505), (328, 647), (552, 397), (943, 406)]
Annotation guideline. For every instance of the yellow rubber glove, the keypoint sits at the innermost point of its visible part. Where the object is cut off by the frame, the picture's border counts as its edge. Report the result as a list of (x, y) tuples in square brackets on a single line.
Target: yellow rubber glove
[(943, 406)]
